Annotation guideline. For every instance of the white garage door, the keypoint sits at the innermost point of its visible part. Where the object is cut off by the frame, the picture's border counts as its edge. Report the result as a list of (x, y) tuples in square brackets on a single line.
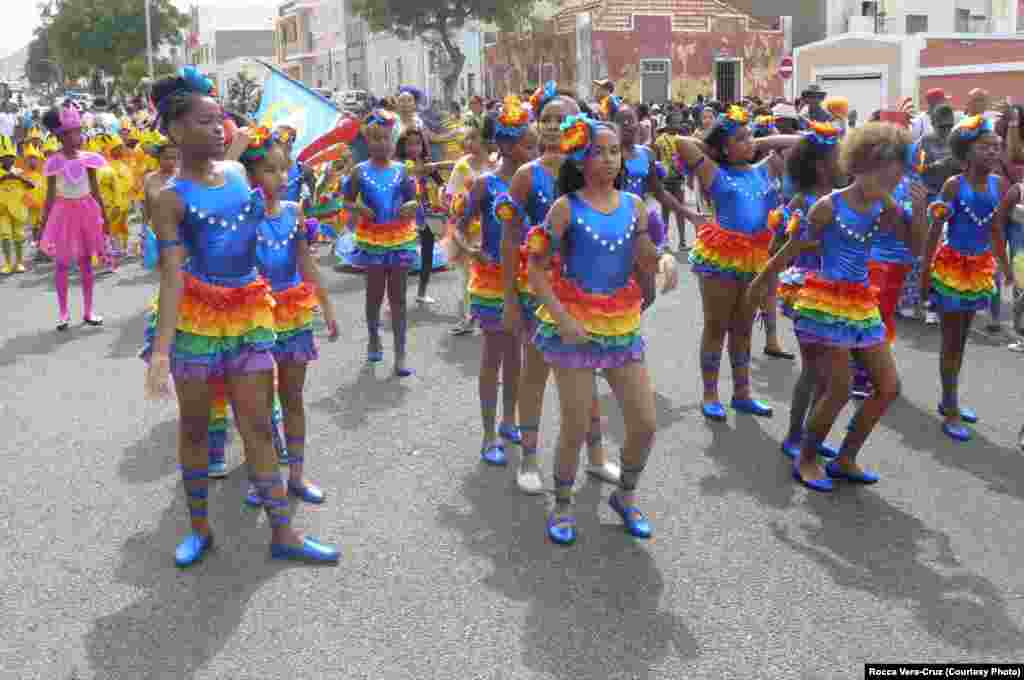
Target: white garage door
[(864, 92)]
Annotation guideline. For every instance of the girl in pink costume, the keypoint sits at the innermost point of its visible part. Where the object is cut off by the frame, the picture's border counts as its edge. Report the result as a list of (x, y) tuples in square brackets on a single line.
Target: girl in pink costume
[(73, 217)]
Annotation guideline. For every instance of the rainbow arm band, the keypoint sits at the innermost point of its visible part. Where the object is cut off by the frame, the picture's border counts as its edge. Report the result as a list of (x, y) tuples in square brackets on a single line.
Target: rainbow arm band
[(507, 208), (939, 212)]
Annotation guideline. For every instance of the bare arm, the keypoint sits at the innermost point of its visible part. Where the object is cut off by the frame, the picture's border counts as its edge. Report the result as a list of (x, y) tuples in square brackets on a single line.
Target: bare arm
[(311, 274), (94, 186), (168, 212), (51, 194), (998, 227), (511, 228), (819, 217), (949, 192), (471, 211), (540, 262), (695, 154)]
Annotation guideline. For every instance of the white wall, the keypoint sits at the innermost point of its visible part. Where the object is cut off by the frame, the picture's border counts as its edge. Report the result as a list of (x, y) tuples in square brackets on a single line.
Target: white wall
[(941, 14)]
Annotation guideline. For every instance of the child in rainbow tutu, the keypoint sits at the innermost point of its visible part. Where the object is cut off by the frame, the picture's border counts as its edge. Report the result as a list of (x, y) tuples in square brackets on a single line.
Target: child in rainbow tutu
[(960, 273)]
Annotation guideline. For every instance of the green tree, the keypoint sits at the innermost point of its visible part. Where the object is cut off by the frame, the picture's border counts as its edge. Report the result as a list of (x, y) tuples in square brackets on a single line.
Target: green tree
[(40, 67), (137, 68), (440, 21), (91, 35)]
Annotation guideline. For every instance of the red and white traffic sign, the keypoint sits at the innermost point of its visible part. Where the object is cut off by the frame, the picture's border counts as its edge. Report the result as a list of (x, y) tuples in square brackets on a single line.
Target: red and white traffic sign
[(786, 68)]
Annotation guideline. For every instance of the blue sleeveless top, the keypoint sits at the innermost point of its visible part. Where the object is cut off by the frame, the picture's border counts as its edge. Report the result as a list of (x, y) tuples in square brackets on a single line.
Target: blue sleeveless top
[(969, 230), (887, 246), (543, 192), (637, 171), (293, 190), (600, 246), (743, 198), (384, 190), (219, 229), (490, 226), (278, 247), (846, 242)]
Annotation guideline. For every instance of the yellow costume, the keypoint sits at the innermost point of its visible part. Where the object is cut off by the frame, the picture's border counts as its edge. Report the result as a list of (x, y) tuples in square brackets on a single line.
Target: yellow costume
[(13, 211), (35, 198), (116, 180)]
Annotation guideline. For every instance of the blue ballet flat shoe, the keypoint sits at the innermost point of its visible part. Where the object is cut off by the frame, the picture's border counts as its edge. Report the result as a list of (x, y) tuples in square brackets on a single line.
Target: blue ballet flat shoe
[(562, 530), (791, 447), (510, 433), (494, 454), (217, 469), (956, 432), (404, 372), (192, 549), (819, 485), (309, 493), (311, 550), (635, 521), (754, 407), (966, 414), (713, 411), (375, 357), (834, 471), (253, 498), (826, 451)]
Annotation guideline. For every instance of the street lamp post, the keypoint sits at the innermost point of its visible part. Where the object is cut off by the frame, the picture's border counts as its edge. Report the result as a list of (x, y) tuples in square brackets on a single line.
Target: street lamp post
[(149, 40)]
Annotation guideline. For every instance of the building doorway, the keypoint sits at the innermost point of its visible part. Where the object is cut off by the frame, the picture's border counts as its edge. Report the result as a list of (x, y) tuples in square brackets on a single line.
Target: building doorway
[(728, 80), (655, 77)]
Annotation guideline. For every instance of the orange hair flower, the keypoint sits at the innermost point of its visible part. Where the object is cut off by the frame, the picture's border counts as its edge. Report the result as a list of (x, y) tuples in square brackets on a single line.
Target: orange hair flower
[(538, 241)]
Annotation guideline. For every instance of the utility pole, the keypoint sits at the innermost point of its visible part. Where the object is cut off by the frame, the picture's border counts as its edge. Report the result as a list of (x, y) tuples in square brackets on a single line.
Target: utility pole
[(149, 41)]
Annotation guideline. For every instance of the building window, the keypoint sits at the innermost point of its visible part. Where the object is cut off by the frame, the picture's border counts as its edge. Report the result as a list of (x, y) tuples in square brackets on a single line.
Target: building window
[(963, 21), (917, 23), (979, 23), (471, 84)]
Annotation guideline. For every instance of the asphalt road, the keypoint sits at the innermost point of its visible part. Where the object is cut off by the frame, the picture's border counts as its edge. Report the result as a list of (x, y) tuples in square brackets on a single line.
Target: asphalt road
[(446, 572)]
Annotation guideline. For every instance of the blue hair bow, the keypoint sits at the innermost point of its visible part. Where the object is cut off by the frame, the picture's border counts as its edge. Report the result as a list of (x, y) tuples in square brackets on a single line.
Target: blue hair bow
[(416, 93), (195, 80)]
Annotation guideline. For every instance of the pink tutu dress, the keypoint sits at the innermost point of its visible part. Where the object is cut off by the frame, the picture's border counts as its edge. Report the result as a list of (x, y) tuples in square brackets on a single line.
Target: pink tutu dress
[(74, 229)]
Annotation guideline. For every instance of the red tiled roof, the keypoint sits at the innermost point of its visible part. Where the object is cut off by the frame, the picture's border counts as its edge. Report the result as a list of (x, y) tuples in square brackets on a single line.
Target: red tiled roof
[(687, 15)]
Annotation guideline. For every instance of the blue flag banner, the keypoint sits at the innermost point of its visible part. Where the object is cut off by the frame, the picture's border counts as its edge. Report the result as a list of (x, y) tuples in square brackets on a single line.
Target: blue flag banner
[(288, 102)]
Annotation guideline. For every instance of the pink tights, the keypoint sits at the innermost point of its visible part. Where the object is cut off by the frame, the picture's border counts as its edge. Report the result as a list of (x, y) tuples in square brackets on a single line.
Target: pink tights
[(88, 279)]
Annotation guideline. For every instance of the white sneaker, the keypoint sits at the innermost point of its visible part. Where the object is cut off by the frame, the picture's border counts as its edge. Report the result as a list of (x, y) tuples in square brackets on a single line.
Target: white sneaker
[(529, 482), (609, 472), (425, 300), (931, 318)]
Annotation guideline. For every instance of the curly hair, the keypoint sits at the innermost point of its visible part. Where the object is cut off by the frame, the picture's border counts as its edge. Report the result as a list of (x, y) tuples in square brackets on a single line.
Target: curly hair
[(51, 120), (869, 146), (173, 99), (802, 163)]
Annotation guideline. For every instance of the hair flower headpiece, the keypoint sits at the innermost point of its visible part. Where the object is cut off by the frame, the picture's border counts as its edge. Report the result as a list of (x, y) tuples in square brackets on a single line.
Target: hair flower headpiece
[(610, 106), (823, 134), (381, 118), (733, 119), (260, 141), (972, 127), (578, 133), (285, 134), (542, 96), (513, 119)]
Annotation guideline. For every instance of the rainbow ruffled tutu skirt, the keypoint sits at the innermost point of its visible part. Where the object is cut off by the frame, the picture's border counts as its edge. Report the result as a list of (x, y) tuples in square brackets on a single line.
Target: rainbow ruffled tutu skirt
[(221, 330), (486, 294), (721, 253), (611, 321), (837, 313), (962, 283), (391, 245), (293, 323), (790, 283)]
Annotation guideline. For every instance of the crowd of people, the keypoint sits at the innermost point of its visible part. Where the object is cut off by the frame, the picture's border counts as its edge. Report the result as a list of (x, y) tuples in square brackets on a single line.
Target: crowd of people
[(558, 214)]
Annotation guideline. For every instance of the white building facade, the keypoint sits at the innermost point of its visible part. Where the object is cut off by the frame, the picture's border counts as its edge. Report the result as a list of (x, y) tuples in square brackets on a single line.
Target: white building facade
[(900, 17)]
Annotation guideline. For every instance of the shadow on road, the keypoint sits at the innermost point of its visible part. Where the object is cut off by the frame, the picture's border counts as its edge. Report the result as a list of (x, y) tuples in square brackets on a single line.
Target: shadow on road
[(750, 463), (867, 544), (41, 342), (153, 457), (184, 618), (1000, 467), (351, 405), (462, 352), (593, 608), (131, 333)]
